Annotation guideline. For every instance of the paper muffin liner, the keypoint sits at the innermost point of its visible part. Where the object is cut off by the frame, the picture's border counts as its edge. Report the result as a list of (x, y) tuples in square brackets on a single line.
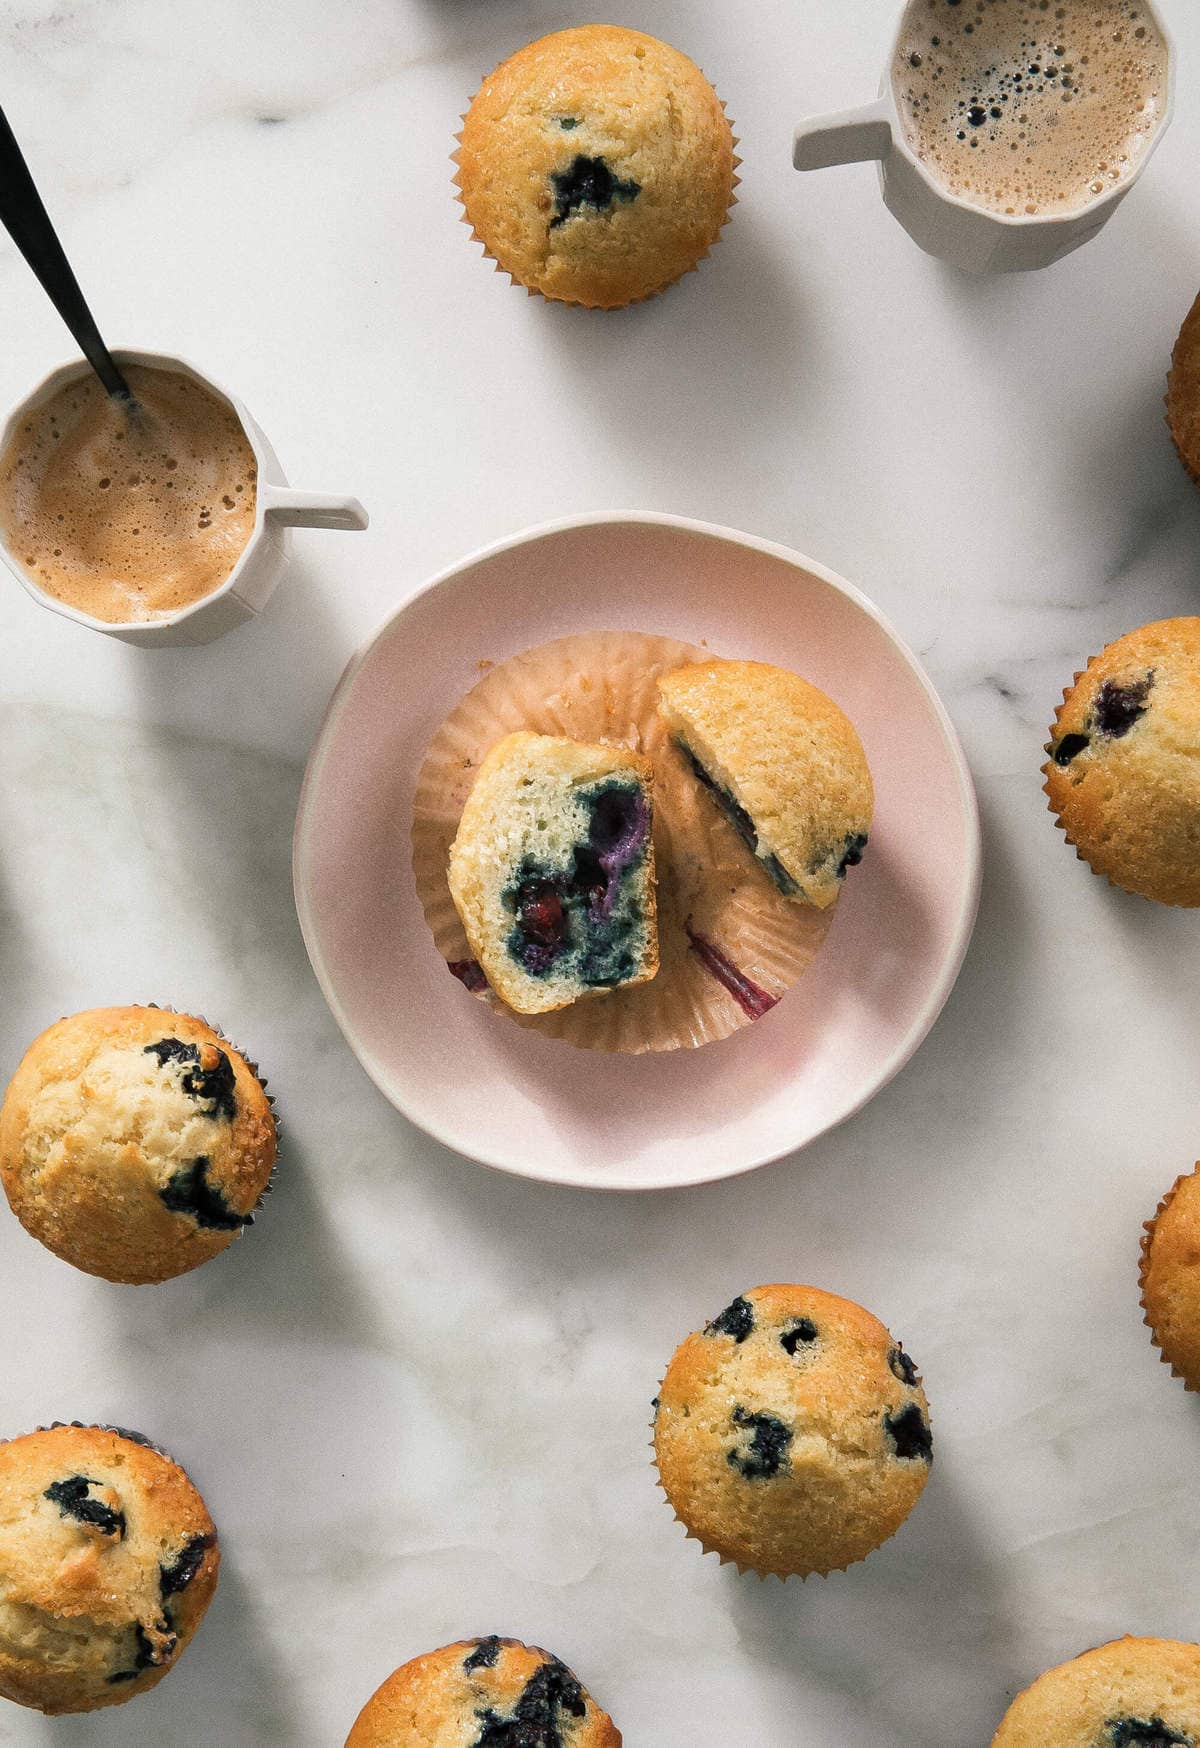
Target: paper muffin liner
[(730, 944), (579, 303), (252, 1065), (1147, 1241)]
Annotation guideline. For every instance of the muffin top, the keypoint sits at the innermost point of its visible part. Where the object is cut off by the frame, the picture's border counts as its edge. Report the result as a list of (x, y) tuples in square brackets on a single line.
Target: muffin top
[(1171, 1278), (135, 1142), (1183, 392), (1132, 1693), (596, 165), (784, 763), (792, 1433), (1124, 768), (108, 1560), (483, 1693)]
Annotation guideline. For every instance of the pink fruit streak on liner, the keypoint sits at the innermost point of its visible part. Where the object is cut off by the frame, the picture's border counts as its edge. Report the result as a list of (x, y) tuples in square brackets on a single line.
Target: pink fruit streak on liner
[(752, 1000), (469, 973)]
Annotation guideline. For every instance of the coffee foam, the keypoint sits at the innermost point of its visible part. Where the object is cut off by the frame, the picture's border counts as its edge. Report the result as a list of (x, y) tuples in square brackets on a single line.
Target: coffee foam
[(129, 515), (1030, 106)]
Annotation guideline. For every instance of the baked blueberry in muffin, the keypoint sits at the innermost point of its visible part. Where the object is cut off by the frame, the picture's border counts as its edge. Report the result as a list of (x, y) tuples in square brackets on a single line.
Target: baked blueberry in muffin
[(596, 166), (1132, 1693), (483, 1693), (782, 763), (1123, 775), (108, 1561), (135, 1143), (552, 871), (792, 1433)]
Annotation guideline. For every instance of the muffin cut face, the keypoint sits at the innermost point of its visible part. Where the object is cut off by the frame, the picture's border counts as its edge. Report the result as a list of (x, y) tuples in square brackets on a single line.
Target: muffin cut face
[(552, 871), (108, 1561), (782, 763), (483, 1693), (791, 1433), (135, 1143)]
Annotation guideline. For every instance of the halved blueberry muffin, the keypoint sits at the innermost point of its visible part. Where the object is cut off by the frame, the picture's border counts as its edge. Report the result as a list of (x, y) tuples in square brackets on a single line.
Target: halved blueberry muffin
[(791, 1433), (483, 1693), (784, 765), (135, 1142), (108, 1561), (552, 871), (1131, 1693), (1123, 775)]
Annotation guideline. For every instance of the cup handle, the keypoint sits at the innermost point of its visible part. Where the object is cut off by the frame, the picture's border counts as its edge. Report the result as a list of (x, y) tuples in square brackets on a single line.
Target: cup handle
[(295, 509), (848, 136)]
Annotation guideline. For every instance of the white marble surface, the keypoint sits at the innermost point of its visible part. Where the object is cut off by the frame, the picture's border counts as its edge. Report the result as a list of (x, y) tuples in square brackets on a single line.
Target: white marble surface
[(416, 1395)]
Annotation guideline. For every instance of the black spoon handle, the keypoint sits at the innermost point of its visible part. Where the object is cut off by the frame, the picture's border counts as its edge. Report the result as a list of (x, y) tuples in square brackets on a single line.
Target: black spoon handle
[(28, 224)]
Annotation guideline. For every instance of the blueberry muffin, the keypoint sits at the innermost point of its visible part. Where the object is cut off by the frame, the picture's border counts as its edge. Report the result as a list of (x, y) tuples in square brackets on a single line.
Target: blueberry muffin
[(108, 1561), (792, 1433), (1132, 1693), (1183, 393), (1170, 1277), (135, 1143), (1124, 769), (783, 764), (552, 871), (483, 1693), (596, 166)]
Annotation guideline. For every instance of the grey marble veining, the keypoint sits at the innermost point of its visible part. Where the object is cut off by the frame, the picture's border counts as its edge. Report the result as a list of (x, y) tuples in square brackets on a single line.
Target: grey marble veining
[(417, 1395)]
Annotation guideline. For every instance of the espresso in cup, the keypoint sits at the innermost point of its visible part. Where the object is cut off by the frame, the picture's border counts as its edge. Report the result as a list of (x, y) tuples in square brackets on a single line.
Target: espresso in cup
[(129, 513), (1030, 106)]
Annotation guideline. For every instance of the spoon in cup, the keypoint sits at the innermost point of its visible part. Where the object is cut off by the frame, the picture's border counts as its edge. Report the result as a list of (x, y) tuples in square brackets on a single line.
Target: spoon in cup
[(28, 224)]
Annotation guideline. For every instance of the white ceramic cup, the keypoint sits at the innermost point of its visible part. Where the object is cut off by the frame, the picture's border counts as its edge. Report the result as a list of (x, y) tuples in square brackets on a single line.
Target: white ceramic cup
[(253, 578), (968, 236)]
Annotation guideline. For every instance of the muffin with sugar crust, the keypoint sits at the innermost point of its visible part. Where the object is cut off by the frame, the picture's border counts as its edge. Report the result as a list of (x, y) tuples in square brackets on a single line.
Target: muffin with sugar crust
[(108, 1561), (1132, 1693), (1123, 776), (1170, 1278), (782, 762), (596, 166), (135, 1142), (483, 1693), (791, 1433)]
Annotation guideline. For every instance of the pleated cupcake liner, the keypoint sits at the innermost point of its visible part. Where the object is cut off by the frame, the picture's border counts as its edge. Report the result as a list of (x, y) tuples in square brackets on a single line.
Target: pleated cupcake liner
[(580, 303), (716, 905), (1147, 1241), (252, 1065)]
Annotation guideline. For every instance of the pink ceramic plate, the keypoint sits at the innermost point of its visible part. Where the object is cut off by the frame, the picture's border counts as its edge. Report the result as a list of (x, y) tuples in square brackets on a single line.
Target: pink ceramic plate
[(541, 1109)]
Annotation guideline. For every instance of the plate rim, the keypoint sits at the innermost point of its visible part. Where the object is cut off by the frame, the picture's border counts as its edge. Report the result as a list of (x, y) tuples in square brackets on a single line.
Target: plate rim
[(964, 923)]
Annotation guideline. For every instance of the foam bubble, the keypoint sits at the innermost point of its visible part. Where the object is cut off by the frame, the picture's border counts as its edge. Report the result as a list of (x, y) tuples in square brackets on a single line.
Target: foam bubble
[(1030, 106), (80, 497)]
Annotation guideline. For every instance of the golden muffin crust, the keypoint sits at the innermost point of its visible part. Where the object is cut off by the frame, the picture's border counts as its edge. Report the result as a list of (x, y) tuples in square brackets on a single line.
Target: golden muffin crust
[(135, 1142), (787, 757), (1132, 1693), (448, 1698), (1170, 1277), (534, 801), (596, 166), (108, 1561), (1183, 392), (1123, 775), (792, 1433)]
